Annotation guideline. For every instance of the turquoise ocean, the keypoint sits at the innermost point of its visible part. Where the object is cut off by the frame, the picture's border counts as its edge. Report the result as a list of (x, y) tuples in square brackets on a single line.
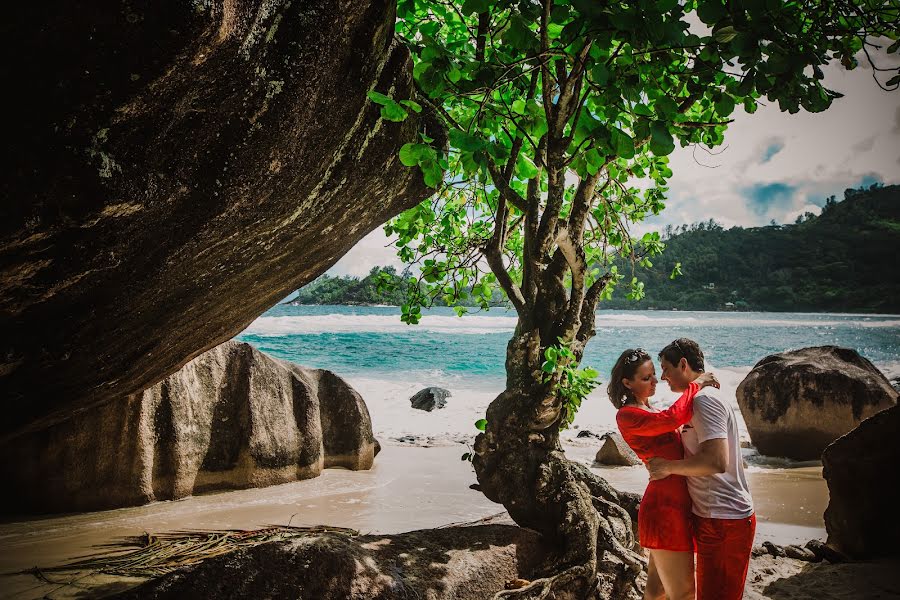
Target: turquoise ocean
[(387, 361)]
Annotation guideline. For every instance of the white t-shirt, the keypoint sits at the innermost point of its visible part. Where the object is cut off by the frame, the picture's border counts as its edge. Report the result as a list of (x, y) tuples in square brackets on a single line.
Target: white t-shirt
[(722, 495)]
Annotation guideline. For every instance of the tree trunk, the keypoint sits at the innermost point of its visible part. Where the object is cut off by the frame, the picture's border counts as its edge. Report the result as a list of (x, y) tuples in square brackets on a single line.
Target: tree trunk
[(519, 463)]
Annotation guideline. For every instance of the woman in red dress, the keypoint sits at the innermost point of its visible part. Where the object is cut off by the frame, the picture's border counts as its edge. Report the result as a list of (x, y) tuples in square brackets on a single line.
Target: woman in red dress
[(664, 517)]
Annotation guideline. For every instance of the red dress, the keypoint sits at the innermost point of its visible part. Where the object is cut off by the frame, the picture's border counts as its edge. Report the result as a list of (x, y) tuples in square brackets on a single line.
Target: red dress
[(664, 517)]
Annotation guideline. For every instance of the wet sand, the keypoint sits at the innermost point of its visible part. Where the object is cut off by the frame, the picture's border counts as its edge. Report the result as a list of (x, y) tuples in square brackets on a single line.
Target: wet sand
[(409, 488)]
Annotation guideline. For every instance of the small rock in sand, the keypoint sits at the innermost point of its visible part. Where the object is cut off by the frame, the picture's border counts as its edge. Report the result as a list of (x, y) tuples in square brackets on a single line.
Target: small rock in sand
[(430, 398), (774, 550), (616, 452)]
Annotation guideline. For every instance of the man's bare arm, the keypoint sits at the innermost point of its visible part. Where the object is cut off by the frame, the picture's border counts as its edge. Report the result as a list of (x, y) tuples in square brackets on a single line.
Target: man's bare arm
[(711, 458)]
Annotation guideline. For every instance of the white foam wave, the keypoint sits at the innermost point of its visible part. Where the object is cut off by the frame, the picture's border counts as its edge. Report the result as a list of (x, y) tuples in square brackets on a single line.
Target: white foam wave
[(337, 323), (483, 324)]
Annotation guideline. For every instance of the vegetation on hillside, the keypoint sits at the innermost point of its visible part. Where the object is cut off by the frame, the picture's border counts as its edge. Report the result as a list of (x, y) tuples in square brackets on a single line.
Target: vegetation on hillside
[(383, 285), (841, 260)]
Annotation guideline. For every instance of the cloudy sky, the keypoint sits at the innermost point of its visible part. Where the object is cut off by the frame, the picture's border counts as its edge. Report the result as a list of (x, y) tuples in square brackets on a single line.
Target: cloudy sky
[(773, 165)]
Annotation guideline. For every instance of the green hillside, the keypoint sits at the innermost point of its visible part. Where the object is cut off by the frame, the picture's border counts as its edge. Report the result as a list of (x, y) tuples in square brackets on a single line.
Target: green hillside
[(845, 259)]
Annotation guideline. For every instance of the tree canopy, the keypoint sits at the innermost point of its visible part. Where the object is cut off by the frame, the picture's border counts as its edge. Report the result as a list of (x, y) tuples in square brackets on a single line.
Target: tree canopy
[(835, 261), (561, 115)]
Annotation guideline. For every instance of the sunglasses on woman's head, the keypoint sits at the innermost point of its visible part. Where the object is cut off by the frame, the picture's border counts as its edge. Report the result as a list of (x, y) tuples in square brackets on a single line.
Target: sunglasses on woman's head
[(636, 355)]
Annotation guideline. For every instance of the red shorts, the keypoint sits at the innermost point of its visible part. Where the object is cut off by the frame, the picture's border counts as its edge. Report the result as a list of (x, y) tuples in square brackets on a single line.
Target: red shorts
[(723, 556)]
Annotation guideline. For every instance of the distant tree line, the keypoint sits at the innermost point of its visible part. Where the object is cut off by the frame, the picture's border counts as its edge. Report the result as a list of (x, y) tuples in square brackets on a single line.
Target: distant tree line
[(841, 260), (383, 285)]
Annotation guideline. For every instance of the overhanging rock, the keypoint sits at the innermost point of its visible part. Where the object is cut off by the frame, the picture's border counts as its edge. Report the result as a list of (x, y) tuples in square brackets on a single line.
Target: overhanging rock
[(173, 169)]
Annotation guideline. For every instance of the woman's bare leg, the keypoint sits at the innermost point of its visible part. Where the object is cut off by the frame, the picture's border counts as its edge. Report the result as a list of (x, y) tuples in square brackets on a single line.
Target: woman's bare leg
[(654, 589), (676, 572)]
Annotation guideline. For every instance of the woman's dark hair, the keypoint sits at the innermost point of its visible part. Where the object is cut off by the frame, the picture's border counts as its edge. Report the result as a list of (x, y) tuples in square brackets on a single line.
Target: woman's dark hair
[(625, 368), (684, 348)]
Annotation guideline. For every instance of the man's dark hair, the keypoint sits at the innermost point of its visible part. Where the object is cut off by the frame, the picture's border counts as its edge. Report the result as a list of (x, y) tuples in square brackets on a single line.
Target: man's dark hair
[(684, 348)]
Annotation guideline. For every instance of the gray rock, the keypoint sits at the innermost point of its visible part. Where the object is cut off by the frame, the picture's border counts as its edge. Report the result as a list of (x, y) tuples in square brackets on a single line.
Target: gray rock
[(796, 403), (862, 470), (430, 398), (616, 452), (174, 169), (460, 563), (824, 551), (792, 551), (774, 549), (231, 418), (586, 433)]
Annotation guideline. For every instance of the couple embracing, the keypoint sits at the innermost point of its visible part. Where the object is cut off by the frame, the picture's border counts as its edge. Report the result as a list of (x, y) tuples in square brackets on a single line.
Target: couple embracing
[(697, 500)]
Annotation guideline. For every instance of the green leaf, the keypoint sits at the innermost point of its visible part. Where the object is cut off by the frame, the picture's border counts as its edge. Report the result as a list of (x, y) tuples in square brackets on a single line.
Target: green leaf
[(666, 107), (600, 74), (415, 106), (481, 424), (432, 173), (525, 167), (710, 11), (392, 111), (475, 6), (410, 154), (518, 35), (464, 141), (725, 105), (593, 161), (661, 142), (379, 98), (723, 35), (676, 271), (622, 143)]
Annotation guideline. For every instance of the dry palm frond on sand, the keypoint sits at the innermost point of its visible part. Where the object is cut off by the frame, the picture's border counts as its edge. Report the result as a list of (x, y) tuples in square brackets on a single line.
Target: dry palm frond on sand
[(151, 555)]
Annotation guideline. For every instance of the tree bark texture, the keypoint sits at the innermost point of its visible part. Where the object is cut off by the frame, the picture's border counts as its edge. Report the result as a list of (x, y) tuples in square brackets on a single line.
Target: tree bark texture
[(519, 463)]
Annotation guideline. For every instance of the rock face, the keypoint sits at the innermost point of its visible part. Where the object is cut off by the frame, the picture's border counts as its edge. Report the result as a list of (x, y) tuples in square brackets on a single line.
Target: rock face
[(460, 563), (176, 167), (231, 418), (863, 477), (430, 398), (798, 402), (616, 452)]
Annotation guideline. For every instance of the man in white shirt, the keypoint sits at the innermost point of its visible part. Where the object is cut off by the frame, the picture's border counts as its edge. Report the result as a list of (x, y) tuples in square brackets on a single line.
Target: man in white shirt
[(723, 521)]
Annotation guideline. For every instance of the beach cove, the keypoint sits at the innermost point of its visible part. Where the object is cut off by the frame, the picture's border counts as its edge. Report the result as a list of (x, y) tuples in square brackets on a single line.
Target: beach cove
[(418, 480)]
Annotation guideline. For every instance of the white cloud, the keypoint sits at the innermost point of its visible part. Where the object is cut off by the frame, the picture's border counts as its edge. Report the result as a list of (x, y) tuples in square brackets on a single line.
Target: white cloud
[(374, 250), (854, 141), (814, 155)]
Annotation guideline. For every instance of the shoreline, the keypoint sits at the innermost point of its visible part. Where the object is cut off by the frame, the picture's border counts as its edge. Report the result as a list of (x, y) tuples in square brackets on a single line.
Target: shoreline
[(635, 309), (409, 488)]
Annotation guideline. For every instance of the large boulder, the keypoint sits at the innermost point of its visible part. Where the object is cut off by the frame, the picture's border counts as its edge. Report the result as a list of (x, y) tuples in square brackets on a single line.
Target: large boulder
[(616, 452), (173, 168), (862, 469), (797, 402), (459, 563), (430, 398), (469, 562), (231, 418)]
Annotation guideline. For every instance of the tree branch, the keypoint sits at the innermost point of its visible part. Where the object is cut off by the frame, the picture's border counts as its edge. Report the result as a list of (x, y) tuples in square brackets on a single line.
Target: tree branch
[(495, 261)]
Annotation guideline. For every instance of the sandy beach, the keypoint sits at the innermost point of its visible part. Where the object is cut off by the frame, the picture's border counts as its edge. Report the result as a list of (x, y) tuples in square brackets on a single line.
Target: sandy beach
[(409, 488)]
